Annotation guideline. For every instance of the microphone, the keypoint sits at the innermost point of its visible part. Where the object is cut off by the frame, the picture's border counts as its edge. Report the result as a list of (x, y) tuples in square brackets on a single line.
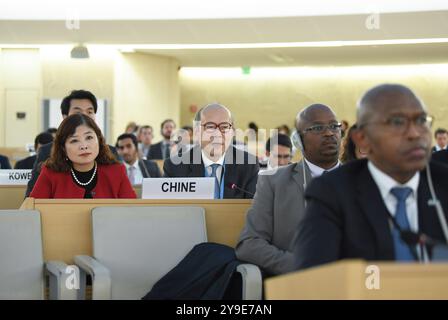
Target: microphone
[(235, 187), (412, 238)]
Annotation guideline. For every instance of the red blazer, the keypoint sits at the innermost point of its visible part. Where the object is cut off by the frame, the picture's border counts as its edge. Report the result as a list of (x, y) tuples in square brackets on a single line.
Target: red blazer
[(112, 182)]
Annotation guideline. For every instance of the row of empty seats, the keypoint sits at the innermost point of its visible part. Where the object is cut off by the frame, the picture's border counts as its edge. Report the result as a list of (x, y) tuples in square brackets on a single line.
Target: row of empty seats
[(133, 247)]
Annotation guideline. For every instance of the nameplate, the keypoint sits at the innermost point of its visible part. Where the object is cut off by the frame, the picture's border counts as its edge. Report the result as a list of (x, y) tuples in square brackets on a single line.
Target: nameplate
[(15, 177), (178, 188)]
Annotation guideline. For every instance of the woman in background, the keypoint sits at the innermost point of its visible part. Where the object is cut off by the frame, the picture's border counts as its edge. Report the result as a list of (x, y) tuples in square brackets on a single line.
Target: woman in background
[(349, 150), (81, 165)]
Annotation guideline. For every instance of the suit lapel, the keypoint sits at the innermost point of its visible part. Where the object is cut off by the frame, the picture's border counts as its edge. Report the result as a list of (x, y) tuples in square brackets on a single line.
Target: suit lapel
[(372, 205), (297, 174), (195, 169), (143, 169), (428, 222)]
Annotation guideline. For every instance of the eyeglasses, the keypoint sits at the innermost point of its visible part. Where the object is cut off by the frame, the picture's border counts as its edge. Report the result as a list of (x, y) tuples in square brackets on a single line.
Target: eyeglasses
[(320, 128), (399, 124), (210, 127)]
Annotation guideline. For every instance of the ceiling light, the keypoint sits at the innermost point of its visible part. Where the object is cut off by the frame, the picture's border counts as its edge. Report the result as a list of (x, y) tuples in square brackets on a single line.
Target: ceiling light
[(79, 52)]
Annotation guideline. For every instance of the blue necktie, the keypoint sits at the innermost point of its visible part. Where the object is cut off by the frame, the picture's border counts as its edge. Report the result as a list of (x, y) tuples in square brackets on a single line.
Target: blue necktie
[(402, 250), (215, 167)]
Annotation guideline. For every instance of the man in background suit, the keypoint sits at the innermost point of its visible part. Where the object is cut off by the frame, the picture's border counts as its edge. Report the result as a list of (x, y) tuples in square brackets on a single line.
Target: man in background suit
[(360, 209), (40, 140), (161, 150), (440, 156), (441, 136), (137, 169), (4, 162), (279, 203), (79, 101), (144, 137), (235, 171)]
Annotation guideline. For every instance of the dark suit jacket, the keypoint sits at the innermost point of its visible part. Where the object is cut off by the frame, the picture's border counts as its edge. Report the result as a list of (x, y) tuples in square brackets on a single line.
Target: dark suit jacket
[(42, 155), (4, 162), (440, 156), (26, 163), (205, 273), (149, 169), (244, 175), (346, 216), (155, 152), (433, 149)]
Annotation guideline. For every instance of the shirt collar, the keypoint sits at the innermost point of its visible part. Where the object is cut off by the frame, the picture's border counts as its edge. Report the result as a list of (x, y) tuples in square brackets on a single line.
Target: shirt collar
[(317, 171), (135, 165), (385, 183), (208, 162)]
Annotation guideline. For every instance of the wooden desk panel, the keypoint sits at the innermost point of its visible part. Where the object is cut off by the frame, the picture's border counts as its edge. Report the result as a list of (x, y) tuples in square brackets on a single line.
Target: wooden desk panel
[(11, 197), (66, 224), (347, 280)]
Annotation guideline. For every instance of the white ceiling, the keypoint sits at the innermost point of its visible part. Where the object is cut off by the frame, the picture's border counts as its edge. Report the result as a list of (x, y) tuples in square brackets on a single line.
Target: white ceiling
[(140, 33)]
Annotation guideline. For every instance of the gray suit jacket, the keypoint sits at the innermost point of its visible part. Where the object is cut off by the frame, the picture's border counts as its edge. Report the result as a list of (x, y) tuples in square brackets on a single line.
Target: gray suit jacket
[(271, 222)]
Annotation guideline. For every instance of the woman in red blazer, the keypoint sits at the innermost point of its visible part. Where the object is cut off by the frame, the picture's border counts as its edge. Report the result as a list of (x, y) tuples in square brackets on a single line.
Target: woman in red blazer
[(81, 165)]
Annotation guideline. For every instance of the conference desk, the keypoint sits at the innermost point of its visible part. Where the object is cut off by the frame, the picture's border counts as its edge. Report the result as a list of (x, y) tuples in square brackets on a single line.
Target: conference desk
[(11, 197), (66, 223), (357, 279)]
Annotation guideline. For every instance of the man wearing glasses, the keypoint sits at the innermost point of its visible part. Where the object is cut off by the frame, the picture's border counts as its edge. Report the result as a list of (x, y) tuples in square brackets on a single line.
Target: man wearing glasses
[(235, 171), (364, 208), (279, 205)]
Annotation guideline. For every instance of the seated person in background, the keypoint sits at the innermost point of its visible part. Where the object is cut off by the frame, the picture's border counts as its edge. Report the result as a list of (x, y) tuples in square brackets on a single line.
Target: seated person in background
[(144, 138), (278, 151), (279, 204), (180, 141), (136, 168), (52, 131), (188, 138), (441, 136), (4, 162), (81, 165), (284, 129), (349, 150), (234, 170), (78, 101), (39, 141), (131, 127), (440, 156), (360, 210), (162, 149)]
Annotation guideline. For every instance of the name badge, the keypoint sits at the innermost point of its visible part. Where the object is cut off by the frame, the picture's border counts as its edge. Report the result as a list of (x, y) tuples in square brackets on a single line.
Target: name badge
[(178, 188), (15, 177)]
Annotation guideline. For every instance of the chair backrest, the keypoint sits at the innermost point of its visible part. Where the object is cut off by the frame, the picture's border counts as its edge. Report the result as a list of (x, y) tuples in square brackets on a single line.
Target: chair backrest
[(139, 245), (21, 256)]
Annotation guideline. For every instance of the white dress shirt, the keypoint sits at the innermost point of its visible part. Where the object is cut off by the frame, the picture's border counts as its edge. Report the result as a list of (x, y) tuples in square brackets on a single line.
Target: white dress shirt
[(138, 176), (317, 171), (439, 149), (143, 149), (385, 183), (208, 163)]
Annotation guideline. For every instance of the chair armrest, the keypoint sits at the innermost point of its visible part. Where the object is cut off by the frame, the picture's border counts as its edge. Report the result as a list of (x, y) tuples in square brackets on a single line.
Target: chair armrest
[(252, 281), (59, 290), (101, 281)]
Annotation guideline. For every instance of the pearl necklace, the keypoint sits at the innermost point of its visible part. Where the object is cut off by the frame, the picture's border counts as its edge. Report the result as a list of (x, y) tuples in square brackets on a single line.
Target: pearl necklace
[(88, 182)]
